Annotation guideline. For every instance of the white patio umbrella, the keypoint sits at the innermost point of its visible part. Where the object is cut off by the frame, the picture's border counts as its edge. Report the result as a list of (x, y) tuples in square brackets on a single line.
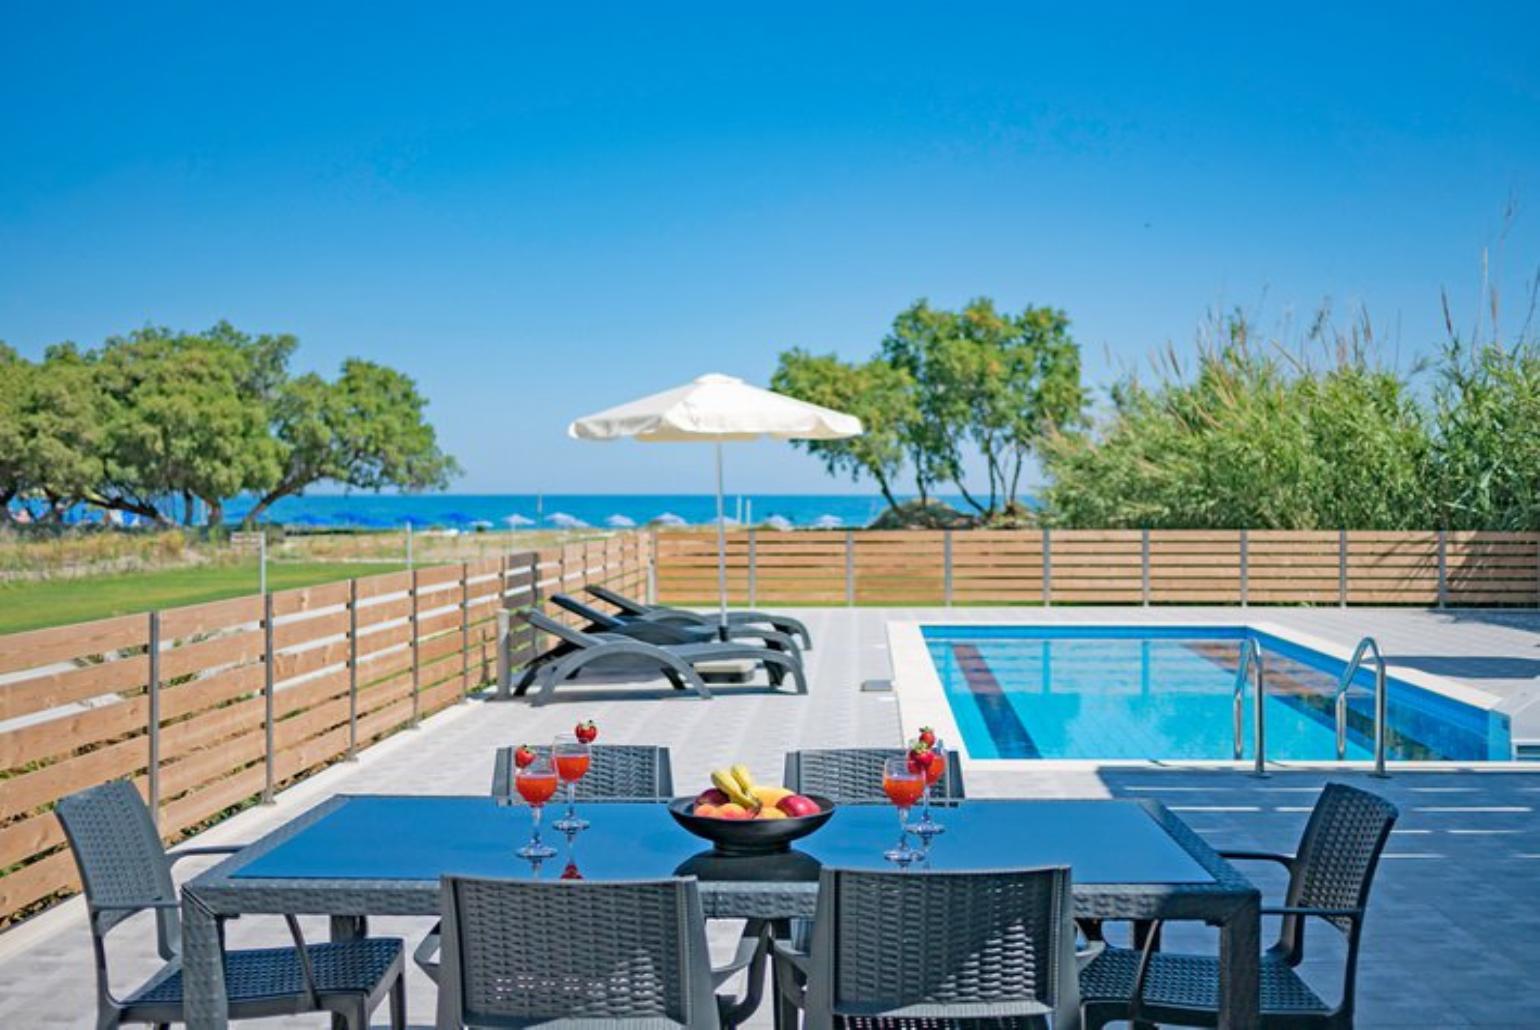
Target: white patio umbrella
[(716, 409)]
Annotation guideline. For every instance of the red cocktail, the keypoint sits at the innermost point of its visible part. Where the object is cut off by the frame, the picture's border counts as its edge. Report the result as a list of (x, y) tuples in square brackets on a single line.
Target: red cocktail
[(572, 757), (904, 785), (536, 784)]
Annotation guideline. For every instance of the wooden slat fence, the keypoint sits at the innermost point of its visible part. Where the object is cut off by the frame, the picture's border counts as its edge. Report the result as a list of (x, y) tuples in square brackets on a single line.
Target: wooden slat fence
[(214, 706), (1065, 566)]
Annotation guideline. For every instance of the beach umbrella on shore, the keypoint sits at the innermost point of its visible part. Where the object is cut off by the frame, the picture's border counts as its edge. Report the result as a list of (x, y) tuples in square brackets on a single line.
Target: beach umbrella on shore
[(517, 521), (668, 518), (716, 409), (620, 522)]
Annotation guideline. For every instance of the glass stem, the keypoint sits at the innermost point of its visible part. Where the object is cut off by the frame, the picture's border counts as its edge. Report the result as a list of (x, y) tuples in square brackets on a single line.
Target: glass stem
[(903, 829), (535, 823), (925, 815), (571, 799)]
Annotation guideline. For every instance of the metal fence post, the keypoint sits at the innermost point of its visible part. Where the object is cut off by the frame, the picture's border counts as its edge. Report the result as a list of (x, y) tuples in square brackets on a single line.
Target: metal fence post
[(504, 653), (1342, 555), (652, 568), (1443, 568), (1144, 566), (1245, 568), (352, 670), (465, 630), (154, 717), (946, 567), (269, 767), (416, 662), (850, 567), (753, 567), (1047, 567)]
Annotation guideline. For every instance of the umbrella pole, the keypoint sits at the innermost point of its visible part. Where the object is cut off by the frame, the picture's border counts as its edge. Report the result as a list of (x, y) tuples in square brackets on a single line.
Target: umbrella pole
[(721, 553)]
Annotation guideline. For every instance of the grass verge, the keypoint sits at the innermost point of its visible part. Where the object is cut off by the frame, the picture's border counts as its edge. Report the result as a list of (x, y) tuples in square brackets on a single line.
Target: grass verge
[(39, 604)]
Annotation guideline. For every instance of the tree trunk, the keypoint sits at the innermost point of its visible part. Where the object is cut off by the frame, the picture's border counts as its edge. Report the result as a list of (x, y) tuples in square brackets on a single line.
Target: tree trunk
[(887, 491), (216, 512), (966, 495)]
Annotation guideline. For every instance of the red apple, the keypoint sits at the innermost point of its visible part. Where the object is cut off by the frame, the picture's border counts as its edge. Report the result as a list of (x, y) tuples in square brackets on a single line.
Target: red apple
[(795, 805), (712, 796)]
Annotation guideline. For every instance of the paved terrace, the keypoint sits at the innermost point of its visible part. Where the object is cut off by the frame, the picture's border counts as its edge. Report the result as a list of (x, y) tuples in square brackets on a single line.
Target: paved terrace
[(1453, 926)]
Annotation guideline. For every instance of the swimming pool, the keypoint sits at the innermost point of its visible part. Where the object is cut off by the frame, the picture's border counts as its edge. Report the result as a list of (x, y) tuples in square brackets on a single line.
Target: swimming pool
[(1055, 691)]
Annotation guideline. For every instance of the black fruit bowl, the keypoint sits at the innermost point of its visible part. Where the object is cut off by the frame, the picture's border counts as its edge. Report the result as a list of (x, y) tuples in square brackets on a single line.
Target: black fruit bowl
[(750, 836)]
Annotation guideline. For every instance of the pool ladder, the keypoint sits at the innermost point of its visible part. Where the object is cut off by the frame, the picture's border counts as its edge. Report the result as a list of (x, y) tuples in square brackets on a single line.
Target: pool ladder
[(1251, 662)]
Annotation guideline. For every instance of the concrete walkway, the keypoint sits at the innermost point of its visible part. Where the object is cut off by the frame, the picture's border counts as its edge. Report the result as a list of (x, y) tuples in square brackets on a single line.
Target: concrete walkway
[(1456, 910)]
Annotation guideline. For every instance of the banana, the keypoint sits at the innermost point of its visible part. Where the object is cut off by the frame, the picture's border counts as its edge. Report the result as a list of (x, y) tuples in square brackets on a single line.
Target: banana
[(745, 780), (728, 784)]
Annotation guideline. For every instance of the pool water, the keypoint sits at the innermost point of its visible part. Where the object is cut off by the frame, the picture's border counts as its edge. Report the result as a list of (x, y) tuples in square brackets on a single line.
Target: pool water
[(1142, 692)]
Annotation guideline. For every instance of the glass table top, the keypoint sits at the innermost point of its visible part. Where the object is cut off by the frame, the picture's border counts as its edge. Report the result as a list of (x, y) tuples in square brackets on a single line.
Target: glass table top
[(373, 837)]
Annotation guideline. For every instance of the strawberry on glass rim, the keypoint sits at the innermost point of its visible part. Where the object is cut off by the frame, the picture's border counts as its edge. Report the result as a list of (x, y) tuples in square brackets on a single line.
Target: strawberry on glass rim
[(927, 736), (929, 761), (523, 755), (586, 731)]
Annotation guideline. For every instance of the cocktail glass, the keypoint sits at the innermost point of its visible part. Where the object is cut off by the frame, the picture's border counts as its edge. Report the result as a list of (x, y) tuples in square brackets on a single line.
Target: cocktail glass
[(903, 786), (536, 784), (571, 756), (927, 827)]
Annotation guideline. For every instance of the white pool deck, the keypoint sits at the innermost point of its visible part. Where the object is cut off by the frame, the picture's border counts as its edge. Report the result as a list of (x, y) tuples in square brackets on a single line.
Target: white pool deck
[(1454, 924)]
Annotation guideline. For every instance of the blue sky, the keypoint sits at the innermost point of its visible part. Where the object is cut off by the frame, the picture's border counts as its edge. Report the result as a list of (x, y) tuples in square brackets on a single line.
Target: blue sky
[(540, 212)]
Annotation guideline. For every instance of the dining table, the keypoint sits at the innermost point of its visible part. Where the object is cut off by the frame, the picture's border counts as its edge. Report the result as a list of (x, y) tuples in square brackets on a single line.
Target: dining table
[(355, 856)]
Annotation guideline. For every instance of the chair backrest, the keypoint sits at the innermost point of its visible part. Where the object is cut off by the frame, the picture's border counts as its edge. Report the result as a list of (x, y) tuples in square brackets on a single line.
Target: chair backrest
[(122, 862), (626, 604), (601, 620), (960, 945), (545, 624), (853, 775), (1337, 858), (517, 951), (638, 772)]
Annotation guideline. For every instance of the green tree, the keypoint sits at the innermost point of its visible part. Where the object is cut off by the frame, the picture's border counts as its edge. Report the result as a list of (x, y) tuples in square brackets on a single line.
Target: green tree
[(185, 415), (365, 429), (62, 424), (15, 384), (1003, 382), (879, 394)]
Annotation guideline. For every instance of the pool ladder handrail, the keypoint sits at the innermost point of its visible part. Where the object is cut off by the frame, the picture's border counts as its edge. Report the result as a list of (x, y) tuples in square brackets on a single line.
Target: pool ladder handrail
[(1366, 646), (1251, 658)]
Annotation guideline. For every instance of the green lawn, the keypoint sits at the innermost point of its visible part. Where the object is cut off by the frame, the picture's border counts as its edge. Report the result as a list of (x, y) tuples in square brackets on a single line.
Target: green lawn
[(59, 601)]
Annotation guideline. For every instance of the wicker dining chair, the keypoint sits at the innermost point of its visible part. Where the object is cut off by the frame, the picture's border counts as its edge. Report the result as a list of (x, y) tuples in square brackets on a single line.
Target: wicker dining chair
[(853, 775), (916, 948), (520, 952), (616, 772), (1329, 879), (126, 870)]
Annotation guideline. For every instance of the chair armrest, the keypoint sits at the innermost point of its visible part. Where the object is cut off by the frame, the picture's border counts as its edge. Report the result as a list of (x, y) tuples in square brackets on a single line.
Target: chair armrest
[(425, 955), (1136, 996), (790, 965), (133, 906), (1287, 861), (750, 949), (1306, 910), (783, 952), (312, 992), (211, 849)]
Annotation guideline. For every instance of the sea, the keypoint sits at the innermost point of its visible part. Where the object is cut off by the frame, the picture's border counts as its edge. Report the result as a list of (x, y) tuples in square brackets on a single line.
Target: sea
[(565, 511)]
